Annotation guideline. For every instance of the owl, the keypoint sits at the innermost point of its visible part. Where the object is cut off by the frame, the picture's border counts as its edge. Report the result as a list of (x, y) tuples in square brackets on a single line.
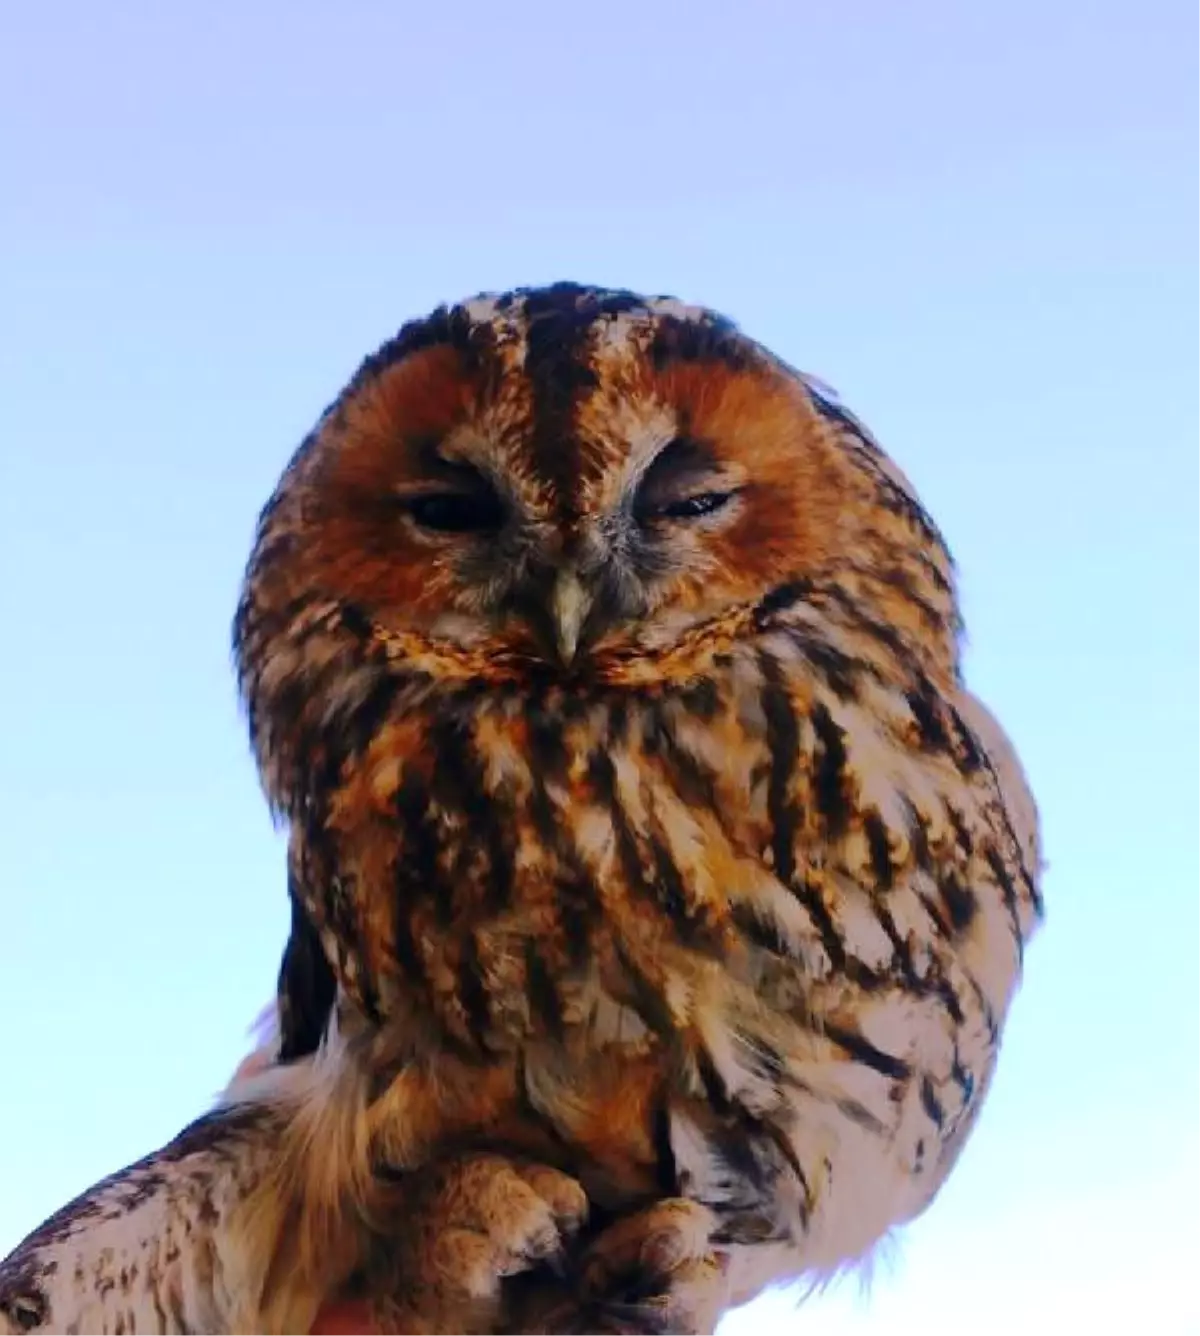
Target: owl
[(645, 846)]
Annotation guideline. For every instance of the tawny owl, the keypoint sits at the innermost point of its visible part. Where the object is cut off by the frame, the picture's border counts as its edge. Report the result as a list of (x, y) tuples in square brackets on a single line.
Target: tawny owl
[(605, 673)]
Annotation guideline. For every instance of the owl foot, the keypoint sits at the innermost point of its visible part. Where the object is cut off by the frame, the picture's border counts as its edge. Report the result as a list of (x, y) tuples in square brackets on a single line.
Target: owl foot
[(464, 1226), (654, 1272)]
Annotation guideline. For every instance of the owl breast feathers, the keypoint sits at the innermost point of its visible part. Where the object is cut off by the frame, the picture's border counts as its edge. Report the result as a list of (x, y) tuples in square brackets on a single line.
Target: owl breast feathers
[(606, 675)]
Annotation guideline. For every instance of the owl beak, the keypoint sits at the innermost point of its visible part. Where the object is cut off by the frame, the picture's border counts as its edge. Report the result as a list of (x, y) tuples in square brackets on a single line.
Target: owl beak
[(571, 603)]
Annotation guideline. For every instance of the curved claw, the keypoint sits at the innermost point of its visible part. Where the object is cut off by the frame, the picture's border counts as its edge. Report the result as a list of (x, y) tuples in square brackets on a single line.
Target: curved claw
[(653, 1272)]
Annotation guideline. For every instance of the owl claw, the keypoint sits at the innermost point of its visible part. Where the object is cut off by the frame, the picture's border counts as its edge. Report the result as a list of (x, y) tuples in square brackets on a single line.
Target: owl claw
[(654, 1242), (481, 1220), (655, 1272)]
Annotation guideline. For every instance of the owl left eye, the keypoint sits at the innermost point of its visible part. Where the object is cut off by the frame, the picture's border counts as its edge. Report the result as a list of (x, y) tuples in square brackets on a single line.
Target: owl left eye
[(457, 512), (694, 507)]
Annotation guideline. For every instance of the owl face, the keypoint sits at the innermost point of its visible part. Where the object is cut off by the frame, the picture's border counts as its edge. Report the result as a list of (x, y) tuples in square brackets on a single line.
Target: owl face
[(570, 477), (576, 491)]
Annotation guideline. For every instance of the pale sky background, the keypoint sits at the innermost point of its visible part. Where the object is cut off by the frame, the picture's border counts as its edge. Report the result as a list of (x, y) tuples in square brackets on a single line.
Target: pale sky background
[(976, 220)]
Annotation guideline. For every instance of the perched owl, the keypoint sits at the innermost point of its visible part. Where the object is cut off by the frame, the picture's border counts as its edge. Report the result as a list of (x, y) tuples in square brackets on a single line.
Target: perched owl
[(643, 835)]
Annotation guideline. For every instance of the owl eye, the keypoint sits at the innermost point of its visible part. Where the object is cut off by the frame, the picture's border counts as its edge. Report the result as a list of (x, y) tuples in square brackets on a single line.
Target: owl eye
[(457, 512), (693, 507), (671, 487)]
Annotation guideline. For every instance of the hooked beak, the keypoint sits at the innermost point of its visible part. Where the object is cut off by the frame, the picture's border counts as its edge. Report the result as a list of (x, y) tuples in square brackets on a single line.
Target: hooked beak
[(570, 605)]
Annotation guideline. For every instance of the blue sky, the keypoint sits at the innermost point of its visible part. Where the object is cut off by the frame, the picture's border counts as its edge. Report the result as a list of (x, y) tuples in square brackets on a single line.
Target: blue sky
[(977, 221)]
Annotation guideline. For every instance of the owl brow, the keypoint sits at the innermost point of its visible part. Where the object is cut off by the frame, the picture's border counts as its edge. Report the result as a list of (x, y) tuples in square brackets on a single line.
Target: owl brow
[(430, 461)]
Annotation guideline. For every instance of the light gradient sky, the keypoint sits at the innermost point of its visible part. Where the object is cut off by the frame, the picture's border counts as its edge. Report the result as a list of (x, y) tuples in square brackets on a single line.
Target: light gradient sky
[(977, 221)]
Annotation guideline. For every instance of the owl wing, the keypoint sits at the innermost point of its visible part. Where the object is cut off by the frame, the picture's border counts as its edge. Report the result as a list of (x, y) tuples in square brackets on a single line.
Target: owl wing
[(307, 988), (1014, 791), (145, 1249)]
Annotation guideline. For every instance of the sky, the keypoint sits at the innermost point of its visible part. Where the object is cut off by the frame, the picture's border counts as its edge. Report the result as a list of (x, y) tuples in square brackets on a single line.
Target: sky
[(977, 221)]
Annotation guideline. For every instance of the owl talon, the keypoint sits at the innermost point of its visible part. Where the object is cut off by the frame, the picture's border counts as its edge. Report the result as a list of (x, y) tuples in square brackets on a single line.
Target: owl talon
[(656, 1241), (479, 1219), (655, 1272)]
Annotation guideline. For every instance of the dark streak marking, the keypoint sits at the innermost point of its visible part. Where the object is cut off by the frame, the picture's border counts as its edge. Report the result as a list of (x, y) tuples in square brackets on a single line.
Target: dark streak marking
[(404, 946), (458, 783), (809, 895), (962, 833), (647, 999), (862, 1050), (545, 1001), (664, 1155), (559, 322), (971, 758), (575, 900), (901, 580), (760, 931), (745, 1159), (716, 1092), (473, 992), (547, 746), (931, 1104), (924, 706), (783, 744), (880, 850), (917, 837), (418, 877), (959, 900), (1009, 892), (779, 599), (830, 768), (666, 886), (949, 998), (840, 671), (577, 912), (763, 1059), (964, 1079), (690, 778), (669, 885), (901, 948), (618, 720), (858, 1113), (882, 632)]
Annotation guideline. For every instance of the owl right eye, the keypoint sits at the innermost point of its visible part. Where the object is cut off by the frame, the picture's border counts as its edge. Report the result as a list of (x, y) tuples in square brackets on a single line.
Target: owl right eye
[(457, 512)]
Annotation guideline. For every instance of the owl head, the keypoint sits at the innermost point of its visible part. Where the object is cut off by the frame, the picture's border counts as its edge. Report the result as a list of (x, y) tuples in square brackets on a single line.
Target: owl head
[(575, 484)]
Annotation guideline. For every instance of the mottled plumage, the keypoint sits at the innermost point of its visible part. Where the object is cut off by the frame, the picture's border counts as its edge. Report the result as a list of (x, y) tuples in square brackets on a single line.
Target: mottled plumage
[(605, 673)]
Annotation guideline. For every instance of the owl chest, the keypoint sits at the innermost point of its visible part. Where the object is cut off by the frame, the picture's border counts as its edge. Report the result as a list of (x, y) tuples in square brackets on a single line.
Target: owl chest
[(509, 868), (523, 878)]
